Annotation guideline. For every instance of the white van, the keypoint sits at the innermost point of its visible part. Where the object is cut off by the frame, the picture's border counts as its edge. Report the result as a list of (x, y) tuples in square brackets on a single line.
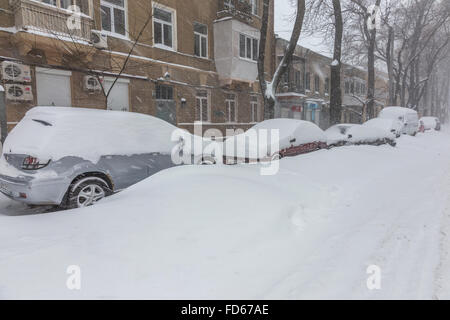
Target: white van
[(408, 117)]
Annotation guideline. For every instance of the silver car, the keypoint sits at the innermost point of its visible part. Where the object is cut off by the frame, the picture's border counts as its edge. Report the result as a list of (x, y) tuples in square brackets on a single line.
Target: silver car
[(74, 157)]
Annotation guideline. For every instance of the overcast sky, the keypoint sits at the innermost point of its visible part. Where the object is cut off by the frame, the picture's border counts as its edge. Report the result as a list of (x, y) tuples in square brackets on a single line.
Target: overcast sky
[(284, 24)]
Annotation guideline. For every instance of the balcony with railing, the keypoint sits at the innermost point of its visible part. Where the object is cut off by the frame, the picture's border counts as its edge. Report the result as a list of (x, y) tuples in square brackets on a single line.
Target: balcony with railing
[(240, 9), (51, 20)]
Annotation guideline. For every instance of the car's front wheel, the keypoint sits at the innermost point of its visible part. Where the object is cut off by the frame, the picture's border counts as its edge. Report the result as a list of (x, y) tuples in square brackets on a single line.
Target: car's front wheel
[(87, 192)]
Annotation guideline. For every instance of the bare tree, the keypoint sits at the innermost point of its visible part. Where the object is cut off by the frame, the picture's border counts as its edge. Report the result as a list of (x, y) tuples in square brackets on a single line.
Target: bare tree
[(268, 88), (413, 26), (327, 18), (110, 64), (365, 18), (336, 92)]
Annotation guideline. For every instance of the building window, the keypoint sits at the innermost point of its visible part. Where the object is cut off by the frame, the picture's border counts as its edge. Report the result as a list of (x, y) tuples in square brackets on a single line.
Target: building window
[(248, 47), (286, 77), (255, 6), (164, 92), (202, 108), (230, 104), (254, 108), (352, 87), (308, 81), (317, 83), (358, 88), (327, 85), (200, 40), (163, 27), (113, 16), (298, 79), (347, 87), (83, 5)]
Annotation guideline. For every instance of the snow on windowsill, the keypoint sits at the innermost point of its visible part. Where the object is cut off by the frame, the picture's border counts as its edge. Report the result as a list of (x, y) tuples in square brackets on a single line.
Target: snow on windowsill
[(163, 47)]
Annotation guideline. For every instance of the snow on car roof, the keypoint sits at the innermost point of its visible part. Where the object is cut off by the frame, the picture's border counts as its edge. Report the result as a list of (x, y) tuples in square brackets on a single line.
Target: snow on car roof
[(58, 132), (289, 129), (361, 133), (429, 122), (380, 123), (396, 111), (337, 133), (304, 131), (429, 118)]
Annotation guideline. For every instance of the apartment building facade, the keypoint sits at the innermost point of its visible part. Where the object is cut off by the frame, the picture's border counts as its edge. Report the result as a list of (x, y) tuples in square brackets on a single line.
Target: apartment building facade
[(191, 63), (304, 91)]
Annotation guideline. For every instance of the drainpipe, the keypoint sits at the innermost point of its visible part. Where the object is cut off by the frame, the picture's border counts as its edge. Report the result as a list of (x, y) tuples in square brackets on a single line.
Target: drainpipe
[(3, 123)]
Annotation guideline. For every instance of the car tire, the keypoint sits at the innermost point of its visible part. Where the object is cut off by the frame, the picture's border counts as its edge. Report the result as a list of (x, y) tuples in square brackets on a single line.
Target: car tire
[(87, 191)]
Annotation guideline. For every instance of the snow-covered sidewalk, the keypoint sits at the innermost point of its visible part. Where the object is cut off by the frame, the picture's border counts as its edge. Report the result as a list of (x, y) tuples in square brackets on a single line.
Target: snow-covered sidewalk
[(211, 232)]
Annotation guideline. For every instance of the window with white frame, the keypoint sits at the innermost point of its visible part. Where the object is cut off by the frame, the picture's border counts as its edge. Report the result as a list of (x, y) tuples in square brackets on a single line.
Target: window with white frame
[(254, 108), (248, 47), (83, 5), (163, 27), (255, 6), (202, 113), (114, 16), (200, 40), (230, 104)]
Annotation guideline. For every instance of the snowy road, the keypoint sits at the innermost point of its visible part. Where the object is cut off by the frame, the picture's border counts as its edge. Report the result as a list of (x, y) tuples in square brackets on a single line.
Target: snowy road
[(310, 231)]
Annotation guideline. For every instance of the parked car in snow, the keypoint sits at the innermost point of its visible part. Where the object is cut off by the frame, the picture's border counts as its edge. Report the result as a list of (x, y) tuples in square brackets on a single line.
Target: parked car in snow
[(407, 117), (391, 126), (431, 123), (74, 157), (337, 134), (256, 144), (362, 134)]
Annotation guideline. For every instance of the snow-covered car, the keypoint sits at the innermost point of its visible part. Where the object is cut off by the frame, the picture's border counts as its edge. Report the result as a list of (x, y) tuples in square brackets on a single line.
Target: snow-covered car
[(256, 144), (337, 134), (431, 123), (409, 118), (74, 157), (362, 134), (391, 126)]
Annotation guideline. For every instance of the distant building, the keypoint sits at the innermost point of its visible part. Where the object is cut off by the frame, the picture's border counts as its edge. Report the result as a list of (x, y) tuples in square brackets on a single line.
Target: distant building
[(304, 91)]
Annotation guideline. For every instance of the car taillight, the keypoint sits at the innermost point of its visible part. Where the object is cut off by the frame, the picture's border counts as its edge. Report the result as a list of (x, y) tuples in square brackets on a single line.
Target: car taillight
[(32, 163)]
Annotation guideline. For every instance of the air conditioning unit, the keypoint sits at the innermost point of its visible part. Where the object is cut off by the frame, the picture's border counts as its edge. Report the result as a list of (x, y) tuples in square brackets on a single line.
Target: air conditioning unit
[(99, 40), (12, 71), (19, 92), (92, 83)]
